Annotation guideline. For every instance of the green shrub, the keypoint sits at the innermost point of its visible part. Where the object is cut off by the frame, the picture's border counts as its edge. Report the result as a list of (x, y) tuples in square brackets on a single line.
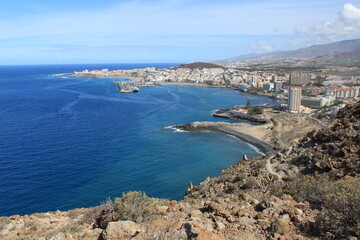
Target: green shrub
[(134, 205), (274, 121), (255, 111)]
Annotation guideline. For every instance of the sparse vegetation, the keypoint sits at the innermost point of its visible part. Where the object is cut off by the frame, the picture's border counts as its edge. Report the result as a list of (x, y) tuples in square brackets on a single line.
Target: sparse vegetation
[(70, 228), (3, 223), (274, 121), (309, 188), (134, 206), (92, 214), (340, 214), (338, 202)]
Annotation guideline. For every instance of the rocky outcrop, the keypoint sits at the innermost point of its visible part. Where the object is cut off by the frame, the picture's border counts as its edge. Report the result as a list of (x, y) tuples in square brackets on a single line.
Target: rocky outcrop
[(121, 230), (334, 149)]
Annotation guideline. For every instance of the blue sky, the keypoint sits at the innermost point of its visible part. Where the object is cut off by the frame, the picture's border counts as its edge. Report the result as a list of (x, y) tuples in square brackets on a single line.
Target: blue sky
[(123, 31)]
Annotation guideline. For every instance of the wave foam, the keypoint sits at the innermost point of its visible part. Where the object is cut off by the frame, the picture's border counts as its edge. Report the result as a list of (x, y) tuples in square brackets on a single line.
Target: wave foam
[(175, 129)]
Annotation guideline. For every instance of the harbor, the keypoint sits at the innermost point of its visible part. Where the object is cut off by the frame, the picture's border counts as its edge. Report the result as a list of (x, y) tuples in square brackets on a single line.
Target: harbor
[(132, 87)]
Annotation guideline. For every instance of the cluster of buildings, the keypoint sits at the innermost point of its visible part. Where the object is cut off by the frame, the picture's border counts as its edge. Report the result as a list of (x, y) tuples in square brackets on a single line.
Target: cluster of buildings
[(295, 87), (333, 90), (300, 78)]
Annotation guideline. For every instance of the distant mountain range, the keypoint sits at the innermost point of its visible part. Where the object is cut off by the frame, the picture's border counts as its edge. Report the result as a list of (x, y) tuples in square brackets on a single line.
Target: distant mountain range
[(199, 65), (337, 50)]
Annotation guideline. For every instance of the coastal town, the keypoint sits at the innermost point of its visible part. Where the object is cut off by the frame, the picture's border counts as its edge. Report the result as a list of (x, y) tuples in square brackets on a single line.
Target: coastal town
[(304, 91)]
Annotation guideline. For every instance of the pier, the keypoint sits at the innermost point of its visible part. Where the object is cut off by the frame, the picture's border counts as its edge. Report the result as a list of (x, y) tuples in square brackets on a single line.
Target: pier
[(127, 87)]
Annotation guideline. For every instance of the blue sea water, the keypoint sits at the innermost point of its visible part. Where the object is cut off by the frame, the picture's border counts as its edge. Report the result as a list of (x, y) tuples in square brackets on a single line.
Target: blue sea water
[(70, 142)]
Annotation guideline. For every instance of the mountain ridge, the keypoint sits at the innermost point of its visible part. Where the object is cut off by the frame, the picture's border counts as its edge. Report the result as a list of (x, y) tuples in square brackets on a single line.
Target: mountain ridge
[(319, 51)]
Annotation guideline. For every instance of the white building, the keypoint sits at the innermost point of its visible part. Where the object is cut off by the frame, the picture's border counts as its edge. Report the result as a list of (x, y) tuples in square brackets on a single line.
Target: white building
[(253, 81), (294, 99)]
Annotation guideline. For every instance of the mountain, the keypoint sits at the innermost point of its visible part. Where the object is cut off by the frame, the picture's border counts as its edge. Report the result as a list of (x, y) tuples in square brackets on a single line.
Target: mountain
[(350, 47), (199, 65)]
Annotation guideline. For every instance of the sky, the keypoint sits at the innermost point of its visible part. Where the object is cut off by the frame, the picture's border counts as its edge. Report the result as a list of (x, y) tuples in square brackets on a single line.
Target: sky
[(160, 31)]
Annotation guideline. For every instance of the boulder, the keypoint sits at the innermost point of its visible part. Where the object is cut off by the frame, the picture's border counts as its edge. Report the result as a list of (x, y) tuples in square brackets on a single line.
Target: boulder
[(207, 235), (59, 236), (121, 230), (92, 234)]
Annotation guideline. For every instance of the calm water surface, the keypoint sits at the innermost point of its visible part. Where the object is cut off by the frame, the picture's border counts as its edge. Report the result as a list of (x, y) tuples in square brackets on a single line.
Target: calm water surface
[(69, 142)]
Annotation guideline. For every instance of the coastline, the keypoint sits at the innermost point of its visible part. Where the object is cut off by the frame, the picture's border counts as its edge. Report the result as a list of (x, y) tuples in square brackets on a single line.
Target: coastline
[(251, 134), (183, 84)]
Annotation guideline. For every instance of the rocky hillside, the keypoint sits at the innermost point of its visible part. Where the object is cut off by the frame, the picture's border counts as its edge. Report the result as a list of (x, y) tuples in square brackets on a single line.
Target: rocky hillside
[(308, 190)]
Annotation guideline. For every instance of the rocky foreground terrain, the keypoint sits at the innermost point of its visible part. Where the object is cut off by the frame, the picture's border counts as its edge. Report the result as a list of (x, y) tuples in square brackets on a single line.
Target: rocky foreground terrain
[(308, 190)]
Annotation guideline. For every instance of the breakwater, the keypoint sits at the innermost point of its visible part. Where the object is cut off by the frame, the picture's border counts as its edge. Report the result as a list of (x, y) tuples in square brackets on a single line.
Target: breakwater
[(226, 113), (132, 87)]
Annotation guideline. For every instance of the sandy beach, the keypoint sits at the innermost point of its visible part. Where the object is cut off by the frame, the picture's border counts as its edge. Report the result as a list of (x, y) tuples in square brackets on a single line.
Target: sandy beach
[(253, 134), (266, 137)]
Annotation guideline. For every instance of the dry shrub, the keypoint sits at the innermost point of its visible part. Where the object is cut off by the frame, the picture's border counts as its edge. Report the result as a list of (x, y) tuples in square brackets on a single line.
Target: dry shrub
[(135, 206), (338, 202), (74, 213), (70, 228), (281, 226), (340, 216), (250, 184), (309, 188), (93, 213)]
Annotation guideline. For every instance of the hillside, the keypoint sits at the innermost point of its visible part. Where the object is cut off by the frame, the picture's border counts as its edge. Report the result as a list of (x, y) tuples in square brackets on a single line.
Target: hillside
[(307, 190), (199, 65), (316, 51)]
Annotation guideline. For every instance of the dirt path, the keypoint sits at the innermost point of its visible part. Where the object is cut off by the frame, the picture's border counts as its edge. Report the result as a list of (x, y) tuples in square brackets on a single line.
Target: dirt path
[(270, 169)]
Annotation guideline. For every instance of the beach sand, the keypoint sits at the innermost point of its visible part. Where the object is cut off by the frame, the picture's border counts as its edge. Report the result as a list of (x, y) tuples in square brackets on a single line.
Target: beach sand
[(266, 137)]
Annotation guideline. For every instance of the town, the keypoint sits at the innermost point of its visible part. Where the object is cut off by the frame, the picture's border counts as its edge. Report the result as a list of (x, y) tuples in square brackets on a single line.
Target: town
[(303, 90)]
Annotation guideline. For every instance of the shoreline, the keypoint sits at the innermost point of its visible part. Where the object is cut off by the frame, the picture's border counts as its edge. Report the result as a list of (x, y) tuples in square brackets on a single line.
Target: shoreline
[(191, 84), (246, 132), (139, 79), (261, 145)]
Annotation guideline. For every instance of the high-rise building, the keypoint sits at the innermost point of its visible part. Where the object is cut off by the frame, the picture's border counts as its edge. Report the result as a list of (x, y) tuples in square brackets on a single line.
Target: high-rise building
[(299, 78), (274, 78), (277, 86), (253, 81), (294, 99)]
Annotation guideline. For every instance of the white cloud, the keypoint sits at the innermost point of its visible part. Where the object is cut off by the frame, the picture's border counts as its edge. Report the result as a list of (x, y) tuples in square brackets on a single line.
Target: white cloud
[(350, 13), (263, 46), (346, 26)]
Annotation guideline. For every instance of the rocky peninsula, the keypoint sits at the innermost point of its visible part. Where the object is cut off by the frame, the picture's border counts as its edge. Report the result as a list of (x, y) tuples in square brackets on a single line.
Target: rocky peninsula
[(270, 136)]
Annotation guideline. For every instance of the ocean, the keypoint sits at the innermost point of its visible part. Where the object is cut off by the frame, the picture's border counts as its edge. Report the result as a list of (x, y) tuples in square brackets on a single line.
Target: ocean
[(72, 142)]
